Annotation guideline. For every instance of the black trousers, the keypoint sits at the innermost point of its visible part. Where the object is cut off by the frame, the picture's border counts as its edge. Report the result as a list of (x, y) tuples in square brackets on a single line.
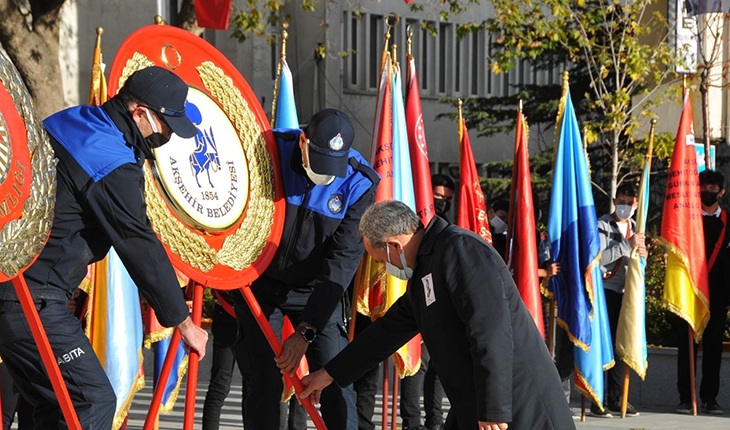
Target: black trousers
[(711, 356), (614, 375), (367, 386), (261, 375), (224, 331), (89, 388), (433, 395)]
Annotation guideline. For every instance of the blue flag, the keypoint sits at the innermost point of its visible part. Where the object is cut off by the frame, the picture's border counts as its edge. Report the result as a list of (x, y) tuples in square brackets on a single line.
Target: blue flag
[(574, 243), (179, 367), (286, 109), (402, 173)]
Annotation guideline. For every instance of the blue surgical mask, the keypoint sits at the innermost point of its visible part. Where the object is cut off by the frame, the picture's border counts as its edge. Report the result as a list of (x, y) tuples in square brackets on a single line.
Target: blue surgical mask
[(405, 273)]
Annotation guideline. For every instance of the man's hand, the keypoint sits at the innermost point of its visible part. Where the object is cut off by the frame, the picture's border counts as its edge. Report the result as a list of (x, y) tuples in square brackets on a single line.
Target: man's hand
[(483, 425), (314, 383), (642, 251), (637, 239), (553, 269), (292, 351), (194, 337)]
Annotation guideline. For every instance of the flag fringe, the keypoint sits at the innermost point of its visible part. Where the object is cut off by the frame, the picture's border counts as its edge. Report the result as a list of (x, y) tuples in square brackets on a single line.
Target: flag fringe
[(167, 407), (572, 338), (157, 336), (675, 309), (138, 384), (639, 368)]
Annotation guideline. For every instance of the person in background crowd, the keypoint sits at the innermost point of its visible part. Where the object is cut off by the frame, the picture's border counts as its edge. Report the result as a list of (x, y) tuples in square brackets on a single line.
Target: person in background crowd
[(618, 235), (327, 187), (426, 378), (99, 204), (225, 343), (498, 215), (717, 240), (491, 358)]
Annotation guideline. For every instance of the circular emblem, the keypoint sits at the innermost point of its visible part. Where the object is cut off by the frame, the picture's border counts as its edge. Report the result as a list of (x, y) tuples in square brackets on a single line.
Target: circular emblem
[(334, 204), (27, 176), (206, 176), (336, 143), (215, 200)]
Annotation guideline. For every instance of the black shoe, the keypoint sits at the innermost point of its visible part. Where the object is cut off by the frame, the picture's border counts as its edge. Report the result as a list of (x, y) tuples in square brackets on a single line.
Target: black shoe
[(418, 427), (712, 407), (684, 408), (616, 407), (595, 412)]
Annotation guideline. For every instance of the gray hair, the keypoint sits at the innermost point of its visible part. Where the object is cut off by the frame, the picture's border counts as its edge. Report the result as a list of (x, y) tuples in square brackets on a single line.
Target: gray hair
[(387, 219)]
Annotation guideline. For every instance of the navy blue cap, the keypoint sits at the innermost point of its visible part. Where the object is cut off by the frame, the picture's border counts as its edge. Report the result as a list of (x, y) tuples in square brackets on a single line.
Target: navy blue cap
[(165, 93), (330, 135)]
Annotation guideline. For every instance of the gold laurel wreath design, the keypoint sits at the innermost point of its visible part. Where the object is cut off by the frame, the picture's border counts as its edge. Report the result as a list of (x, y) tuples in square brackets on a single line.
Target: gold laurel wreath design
[(22, 239), (243, 247)]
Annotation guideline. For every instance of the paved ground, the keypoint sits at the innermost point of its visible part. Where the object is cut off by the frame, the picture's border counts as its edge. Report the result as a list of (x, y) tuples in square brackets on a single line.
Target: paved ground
[(656, 418)]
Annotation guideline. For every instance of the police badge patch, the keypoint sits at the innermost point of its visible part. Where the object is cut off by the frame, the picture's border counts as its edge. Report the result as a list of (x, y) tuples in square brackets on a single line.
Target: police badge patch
[(335, 203), (336, 143)]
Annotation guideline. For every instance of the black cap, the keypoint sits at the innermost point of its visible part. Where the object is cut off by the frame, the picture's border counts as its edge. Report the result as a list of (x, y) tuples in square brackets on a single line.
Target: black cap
[(165, 93), (330, 135)]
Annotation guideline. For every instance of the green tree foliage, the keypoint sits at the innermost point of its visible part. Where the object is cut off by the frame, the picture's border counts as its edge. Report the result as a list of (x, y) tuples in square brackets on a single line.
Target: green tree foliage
[(619, 49)]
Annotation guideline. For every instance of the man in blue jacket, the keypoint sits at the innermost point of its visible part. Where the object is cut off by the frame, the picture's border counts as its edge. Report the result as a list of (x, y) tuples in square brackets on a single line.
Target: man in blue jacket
[(99, 203), (328, 186)]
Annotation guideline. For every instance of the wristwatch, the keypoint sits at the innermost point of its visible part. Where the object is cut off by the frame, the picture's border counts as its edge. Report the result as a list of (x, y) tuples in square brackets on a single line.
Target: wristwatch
[(308, 333)]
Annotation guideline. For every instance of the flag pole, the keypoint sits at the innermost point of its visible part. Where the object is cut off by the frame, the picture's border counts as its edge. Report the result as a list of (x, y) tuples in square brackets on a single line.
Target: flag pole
[(692, 365), (277, 82), (551, 326), (513, 191), (690, 334), (193, 363), (625, 394)]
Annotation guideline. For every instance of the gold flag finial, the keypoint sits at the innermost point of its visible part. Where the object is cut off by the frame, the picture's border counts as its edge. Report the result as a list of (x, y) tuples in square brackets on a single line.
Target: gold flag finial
[(409, 40), (650, 150), (99, 32), (520, 106), (159, 20), (393, 54), (284, 37)]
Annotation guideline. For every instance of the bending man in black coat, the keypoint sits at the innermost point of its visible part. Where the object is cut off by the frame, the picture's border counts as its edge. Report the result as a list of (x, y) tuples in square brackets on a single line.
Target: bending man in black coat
[(492, 361)]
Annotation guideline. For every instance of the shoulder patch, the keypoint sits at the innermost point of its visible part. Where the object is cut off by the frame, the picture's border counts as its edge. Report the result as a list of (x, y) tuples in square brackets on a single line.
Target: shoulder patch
[(335, 203)]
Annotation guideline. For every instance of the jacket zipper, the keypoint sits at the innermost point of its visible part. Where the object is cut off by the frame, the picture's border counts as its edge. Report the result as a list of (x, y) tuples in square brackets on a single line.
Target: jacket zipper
[(295, 231)]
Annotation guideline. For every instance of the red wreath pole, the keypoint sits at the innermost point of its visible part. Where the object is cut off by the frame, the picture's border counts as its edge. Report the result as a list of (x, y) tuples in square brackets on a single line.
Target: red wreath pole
[(47, 355), (193, 363), (253, 304), (149, 423)]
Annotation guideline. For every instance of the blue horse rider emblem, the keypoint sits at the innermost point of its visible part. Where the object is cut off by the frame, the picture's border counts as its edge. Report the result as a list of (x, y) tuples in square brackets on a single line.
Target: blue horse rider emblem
[(335, 203), (205, 156)]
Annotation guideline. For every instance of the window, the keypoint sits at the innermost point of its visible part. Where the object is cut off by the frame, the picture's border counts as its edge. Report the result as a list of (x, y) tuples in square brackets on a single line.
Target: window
[(445, 57), (475, 61), (375, 49), (425, 58), (352, 55), (457, 64)]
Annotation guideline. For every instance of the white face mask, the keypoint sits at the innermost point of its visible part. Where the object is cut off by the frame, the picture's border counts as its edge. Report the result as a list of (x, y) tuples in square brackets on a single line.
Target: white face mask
[(317, 178), (498, 226), (405, 273), (624, 212)]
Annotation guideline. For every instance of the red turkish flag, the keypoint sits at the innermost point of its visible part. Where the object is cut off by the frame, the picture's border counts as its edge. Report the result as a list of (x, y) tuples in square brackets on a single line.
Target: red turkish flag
[(417, 144), (214, 14)]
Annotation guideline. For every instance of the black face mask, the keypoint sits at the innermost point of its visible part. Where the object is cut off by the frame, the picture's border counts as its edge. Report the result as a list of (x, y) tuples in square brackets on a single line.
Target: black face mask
[(709, 198), (442, 206), (155, 140)]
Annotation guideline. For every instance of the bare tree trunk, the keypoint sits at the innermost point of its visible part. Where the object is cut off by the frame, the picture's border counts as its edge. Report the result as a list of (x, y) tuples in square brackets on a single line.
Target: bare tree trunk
[(615, 139), (187, 19), (31, 39), (704, 93)]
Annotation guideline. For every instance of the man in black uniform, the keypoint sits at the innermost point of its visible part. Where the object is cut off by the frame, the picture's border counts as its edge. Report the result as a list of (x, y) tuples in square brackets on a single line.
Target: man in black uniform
[(99, 203), (328, 186), (491, 359), (717, 253)]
